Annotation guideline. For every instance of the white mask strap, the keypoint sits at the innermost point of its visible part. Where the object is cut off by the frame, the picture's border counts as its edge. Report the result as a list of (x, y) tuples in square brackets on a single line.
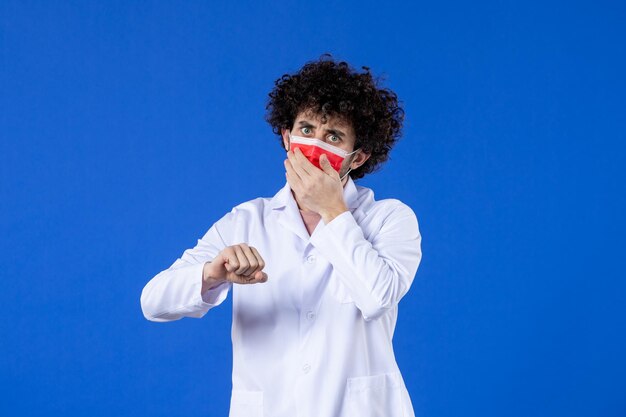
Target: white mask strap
[(344, 175)]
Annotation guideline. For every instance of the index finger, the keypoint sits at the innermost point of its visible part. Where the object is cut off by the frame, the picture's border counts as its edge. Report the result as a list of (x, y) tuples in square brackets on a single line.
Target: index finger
[(303, 162)]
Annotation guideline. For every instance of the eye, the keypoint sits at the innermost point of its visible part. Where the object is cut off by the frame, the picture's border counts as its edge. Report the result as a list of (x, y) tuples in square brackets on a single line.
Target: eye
[(306, 130), (335, 138)]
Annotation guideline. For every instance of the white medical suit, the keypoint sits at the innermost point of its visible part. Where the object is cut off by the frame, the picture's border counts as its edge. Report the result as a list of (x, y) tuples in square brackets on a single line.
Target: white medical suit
[(315, 340)]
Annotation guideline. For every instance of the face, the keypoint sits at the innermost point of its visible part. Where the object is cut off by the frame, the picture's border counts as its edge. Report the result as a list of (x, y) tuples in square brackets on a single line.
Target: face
[(335, 132)]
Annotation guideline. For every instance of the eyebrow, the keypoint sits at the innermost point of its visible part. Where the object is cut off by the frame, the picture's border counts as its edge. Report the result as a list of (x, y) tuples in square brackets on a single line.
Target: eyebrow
[(305, 123)]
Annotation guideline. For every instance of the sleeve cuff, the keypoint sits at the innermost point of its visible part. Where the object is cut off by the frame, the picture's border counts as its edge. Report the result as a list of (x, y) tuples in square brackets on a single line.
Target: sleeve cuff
[(211, 298), (216, 295), (335, 227)]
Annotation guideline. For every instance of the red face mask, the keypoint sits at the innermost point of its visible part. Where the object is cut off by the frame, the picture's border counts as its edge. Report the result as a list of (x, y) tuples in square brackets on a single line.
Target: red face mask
[(314, 148)]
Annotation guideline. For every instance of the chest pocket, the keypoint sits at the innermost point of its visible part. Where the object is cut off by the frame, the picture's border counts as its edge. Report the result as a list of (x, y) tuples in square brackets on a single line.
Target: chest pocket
[(375, 396), (245, 403)]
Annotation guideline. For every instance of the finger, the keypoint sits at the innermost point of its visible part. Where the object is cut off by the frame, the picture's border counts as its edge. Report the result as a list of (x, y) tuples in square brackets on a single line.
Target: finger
[(243, 260), (260, 260), (252, 261), (303, 162), (326, 166), (292, 183), (241, 279), (293, 176), (297, 166), (230, 257), (290, 168), (260, 277), (257, 278)]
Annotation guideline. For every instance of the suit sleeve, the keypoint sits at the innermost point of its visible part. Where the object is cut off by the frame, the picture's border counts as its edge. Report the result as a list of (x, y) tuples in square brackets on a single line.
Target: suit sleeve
[(176, 292), (376, 272)]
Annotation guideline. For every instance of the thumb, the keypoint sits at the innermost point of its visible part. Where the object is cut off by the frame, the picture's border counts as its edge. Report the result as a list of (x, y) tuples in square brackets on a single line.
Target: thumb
[(228, 267), (226, 264), (325, 164)]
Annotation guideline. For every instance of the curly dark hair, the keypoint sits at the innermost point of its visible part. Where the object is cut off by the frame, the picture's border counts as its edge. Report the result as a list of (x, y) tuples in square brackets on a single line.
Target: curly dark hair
[(334, 89)]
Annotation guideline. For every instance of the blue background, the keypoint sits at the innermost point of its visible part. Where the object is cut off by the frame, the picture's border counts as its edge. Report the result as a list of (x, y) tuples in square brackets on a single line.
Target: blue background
[(128, 128)]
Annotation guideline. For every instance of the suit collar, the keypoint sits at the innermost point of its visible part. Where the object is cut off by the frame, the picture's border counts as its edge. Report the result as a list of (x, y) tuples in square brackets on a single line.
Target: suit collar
[(289, 215)]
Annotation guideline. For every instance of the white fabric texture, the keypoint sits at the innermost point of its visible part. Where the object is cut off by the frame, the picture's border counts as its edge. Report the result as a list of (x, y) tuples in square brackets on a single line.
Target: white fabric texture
[(315, 340)]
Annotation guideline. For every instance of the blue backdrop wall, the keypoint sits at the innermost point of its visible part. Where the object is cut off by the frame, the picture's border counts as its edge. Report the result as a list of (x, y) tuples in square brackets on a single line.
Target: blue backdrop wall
[(128, 128)]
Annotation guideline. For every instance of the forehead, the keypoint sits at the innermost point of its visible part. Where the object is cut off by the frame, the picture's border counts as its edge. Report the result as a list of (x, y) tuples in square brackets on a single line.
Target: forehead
[(331, 121)]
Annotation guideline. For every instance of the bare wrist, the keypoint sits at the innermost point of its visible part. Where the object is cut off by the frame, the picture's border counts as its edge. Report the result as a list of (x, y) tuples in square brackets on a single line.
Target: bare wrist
[(329, 214)]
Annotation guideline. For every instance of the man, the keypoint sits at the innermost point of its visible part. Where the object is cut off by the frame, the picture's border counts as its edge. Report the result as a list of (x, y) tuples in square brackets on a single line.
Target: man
[(314, 337)]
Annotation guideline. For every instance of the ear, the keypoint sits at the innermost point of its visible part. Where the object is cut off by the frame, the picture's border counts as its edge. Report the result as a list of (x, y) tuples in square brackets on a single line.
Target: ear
[(285, 134), (360, 159)]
